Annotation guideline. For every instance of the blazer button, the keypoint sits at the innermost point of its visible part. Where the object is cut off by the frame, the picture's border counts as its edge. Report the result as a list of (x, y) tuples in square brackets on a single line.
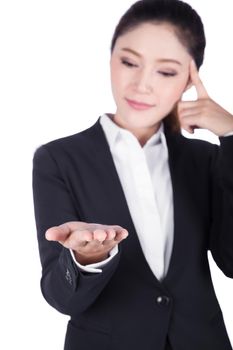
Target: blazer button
[(163, 300)]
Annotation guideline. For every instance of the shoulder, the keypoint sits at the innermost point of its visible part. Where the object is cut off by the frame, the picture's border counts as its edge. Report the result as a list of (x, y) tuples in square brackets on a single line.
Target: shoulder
[(192, 152), (198, 146), (192, 145), (70, 144), (203, 153)]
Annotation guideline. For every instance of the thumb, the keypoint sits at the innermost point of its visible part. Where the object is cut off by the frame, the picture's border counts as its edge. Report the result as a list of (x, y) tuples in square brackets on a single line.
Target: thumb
[(58, 233)]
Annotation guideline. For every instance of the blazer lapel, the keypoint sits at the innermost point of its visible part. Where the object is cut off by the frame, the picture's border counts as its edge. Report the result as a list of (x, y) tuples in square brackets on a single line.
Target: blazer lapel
[(116, 211), (186, 213), (175, 150)]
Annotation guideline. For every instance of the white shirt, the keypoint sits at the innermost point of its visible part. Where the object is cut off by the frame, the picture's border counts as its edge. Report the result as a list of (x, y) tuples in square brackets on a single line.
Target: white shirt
[(145, 178)]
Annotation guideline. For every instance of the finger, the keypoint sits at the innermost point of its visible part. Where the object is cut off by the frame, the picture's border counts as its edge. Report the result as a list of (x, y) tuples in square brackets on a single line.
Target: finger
[(57, 233), (194, 75), (78, 239), (118, 237), (118, 229), (189, 129), (94, 247), (121, 234), (190, 123), (195, 79), (189, 104), (61, 232), (111, 233), (99, 235), (110, 239), (113, 230), (195, 111)]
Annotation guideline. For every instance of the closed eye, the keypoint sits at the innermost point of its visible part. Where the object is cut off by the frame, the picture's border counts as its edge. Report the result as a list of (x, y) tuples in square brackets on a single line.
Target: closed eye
[(128, 64), (131, 65), (167, 74)]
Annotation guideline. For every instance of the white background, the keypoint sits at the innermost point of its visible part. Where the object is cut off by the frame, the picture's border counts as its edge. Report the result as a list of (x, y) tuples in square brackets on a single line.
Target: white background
[(54, 81)]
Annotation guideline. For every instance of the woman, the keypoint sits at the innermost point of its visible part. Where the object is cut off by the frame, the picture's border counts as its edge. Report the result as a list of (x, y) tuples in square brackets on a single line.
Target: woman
[(127, 209)]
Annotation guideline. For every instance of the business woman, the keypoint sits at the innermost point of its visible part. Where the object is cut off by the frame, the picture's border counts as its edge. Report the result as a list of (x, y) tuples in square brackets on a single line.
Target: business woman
[(127, 209)]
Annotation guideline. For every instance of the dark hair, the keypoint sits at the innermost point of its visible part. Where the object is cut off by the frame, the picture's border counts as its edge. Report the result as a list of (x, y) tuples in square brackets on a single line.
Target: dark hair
[(186, 22)]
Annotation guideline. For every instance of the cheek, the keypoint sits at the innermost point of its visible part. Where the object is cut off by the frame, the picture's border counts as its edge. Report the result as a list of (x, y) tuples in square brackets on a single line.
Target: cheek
[(117, 70), (116, 78), (174, 90)]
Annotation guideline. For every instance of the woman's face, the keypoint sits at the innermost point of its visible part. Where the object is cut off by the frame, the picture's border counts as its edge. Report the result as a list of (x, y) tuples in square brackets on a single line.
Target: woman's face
[(151, 66)]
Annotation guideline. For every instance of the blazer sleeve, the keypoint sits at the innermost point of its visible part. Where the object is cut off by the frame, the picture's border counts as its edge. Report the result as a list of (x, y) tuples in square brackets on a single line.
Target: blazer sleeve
[(65, 287), (221, 235)]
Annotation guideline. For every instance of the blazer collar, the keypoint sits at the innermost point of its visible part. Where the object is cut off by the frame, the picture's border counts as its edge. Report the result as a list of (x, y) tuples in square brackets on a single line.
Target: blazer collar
[(113, 131), (118, 211)]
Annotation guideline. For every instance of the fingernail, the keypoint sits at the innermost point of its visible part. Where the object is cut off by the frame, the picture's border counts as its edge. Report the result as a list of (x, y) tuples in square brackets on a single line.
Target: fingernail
[(47, 236)]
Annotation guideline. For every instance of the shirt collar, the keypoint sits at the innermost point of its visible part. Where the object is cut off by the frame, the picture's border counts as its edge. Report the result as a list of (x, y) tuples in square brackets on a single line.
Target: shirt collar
[(113, 131)]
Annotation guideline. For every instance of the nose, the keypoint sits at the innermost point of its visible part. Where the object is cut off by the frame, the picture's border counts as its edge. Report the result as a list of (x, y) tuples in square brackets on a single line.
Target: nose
[(143, 81)]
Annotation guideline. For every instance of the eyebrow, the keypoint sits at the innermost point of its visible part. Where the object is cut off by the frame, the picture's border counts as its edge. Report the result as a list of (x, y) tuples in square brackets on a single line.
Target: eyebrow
[(162, 60)]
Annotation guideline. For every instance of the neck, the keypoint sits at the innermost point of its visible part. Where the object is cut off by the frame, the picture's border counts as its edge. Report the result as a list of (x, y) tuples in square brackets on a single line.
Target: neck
[(142, 134)]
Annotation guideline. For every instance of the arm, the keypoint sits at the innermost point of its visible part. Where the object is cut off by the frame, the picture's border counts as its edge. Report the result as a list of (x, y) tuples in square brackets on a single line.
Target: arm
[(64, 285), (221, 235), (207, 114), (95, 267)]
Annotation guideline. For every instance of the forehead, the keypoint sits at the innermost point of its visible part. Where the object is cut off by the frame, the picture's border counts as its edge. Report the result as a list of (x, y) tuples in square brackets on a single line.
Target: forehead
[(152, 41)]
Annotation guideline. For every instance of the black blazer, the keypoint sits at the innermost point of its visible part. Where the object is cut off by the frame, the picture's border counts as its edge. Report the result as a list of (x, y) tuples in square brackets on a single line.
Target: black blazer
[(126, 307)]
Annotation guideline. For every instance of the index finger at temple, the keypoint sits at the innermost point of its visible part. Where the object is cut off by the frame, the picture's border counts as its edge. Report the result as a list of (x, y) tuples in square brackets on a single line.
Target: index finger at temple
[(200, 88)]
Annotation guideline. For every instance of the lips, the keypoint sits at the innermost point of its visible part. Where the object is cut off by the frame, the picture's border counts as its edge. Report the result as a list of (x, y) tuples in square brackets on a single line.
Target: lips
[(138, 105), (142, 104)]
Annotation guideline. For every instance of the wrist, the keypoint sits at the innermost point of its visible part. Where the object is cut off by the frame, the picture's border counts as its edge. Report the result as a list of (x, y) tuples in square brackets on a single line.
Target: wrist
[(86, 260), (228, 129)]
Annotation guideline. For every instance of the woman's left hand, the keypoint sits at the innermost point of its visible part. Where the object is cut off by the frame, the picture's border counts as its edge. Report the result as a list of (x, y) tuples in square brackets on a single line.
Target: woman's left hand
[(204, 112)]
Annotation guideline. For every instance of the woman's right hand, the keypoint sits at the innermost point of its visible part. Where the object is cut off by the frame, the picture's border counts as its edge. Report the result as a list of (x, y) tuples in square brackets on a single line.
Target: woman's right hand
[(90, 242)]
